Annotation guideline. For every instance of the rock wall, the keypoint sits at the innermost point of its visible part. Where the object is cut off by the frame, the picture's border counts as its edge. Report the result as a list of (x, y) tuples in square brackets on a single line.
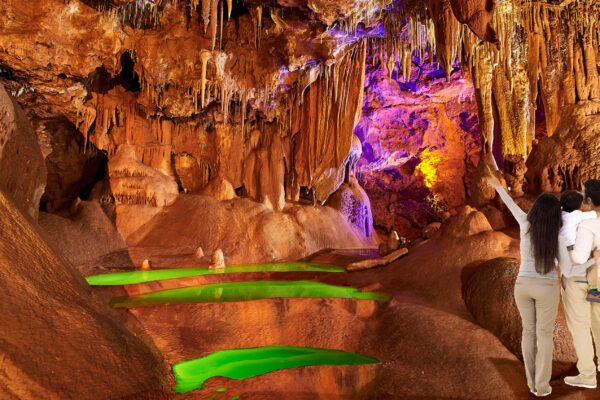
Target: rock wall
[(570, 156), (420, 145), (58, 340), (22, 169)]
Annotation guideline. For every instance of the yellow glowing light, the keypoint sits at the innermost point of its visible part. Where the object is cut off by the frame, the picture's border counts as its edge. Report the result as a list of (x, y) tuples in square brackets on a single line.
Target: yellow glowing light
[(429, 167)]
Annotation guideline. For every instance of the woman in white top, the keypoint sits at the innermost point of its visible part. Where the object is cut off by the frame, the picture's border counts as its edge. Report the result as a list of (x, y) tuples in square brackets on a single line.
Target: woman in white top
[(537, 290)]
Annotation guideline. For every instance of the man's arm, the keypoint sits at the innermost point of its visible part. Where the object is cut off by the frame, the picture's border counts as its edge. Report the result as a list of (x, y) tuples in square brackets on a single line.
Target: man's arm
[(583, 245)]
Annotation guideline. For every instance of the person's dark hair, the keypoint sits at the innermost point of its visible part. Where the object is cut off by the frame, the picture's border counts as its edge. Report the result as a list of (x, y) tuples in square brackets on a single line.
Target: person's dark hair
[(571, 200), (592, 190), (545, 221)]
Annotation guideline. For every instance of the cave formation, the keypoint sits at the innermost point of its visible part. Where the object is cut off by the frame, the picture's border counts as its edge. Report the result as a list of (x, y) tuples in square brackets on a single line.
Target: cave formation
[(181, 180)]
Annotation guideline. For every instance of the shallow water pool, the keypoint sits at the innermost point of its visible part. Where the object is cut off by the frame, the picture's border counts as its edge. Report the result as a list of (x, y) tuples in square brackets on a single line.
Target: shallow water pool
[(246, 363), (243, 291)]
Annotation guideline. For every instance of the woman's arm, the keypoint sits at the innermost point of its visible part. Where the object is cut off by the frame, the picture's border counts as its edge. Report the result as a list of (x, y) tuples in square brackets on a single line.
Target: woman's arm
[(516, 211)]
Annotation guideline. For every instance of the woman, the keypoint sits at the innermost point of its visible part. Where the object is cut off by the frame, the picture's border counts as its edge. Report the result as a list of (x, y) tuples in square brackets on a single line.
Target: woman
[(537, 290)]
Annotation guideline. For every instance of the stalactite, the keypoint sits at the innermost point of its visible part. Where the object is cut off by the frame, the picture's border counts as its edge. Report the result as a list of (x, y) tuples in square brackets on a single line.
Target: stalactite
[(221, 29), (214, 20), (258, 25), (229, 8), (206, 4), (204, 56), (447, 34)]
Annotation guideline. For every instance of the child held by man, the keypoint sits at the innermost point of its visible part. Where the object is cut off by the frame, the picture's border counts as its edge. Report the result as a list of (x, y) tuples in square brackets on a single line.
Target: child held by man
[(573, 213)]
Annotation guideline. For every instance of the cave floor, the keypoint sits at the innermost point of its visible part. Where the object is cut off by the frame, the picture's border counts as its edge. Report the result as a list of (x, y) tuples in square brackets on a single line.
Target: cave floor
[(427, 342)]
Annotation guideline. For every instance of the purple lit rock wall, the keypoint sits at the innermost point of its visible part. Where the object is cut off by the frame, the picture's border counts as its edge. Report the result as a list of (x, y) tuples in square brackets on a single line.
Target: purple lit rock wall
[(420, 144)]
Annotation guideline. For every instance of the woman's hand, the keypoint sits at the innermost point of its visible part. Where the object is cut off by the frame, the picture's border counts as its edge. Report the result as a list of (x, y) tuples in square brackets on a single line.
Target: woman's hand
[(494, 181), (596, 254)]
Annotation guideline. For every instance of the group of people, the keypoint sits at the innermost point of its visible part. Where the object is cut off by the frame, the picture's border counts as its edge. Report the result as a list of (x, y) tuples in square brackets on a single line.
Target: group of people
[(558, 253)]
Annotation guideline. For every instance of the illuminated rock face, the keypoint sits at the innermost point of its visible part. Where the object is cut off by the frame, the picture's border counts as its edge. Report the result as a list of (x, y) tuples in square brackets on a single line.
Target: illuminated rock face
[(420, 147), (569, 157)]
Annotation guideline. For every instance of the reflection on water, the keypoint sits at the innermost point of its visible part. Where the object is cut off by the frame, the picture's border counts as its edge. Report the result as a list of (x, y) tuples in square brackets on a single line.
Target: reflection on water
[(131, 277), (242, 291)]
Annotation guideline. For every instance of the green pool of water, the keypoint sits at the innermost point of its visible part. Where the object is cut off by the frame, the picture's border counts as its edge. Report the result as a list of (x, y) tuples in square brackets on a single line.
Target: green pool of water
[(246, 363), (242, 291), (130, 277)]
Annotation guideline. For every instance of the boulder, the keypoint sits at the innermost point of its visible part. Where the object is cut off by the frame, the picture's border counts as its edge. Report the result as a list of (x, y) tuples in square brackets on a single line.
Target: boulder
[(468, 222), (22, 169), (431, 230), (219, 189), (489, 295)]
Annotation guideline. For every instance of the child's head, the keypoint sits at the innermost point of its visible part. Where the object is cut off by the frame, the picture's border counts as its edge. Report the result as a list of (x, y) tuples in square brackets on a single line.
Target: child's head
[(571, 200)]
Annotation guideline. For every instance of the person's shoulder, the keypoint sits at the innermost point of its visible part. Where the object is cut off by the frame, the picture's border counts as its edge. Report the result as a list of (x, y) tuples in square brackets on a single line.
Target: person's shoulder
[(592, 223)]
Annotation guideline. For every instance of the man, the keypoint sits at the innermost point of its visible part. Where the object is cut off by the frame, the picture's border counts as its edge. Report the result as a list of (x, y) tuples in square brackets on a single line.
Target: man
[(583, 317)]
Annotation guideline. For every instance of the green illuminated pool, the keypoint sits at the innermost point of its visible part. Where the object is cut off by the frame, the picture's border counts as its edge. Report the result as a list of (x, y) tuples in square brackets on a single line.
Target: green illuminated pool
[(130, 277), (246, 363), (242, 291)]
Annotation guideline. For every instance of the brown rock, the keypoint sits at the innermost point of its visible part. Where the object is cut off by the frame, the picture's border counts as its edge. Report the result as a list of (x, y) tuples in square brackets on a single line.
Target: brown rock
[(245, 230), (477, 14), (22, 168), (218, 260), (495, 217), (468, 222), (59, 341), (219, 189), (431, 230), (139, 191), (86, 237), (352, 202), (571, 155), (489, 295), (146, 265)]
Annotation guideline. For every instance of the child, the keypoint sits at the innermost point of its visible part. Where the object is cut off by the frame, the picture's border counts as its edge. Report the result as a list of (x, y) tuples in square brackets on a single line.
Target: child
[(571, 204)]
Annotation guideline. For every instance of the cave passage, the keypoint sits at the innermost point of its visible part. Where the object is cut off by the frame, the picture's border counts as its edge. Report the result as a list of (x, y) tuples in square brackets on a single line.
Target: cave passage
[(246, 363)]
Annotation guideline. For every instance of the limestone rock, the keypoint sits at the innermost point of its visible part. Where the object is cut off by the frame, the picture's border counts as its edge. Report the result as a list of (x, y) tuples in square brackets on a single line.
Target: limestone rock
[(146, 265), (22, 168), (468, 222), (218, 260), (571, 155), (477, 14), (495, 217), (353, 203), (199, 253), (431, 230), (86, 237), (489, 295), (245, 230), (393, 243), (81, 348), (139, 191), (72, 168), (220, 189)]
